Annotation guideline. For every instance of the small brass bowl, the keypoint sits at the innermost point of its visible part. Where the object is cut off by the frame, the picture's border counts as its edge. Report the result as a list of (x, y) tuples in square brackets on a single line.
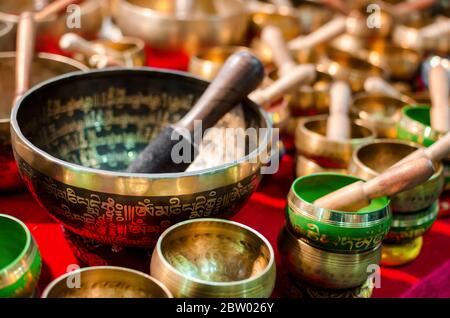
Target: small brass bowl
[(401, 254), (304, 167), (415, 125), (378, 111), (312, 143), (345, 66), (337, 231), (45, 66), (20, 260), (408, 226), (74, 136), (371, 159), (6, 36), (358, 22), (329, 270), (106, 282), (207, 63), (158, 24), (214, 258), (131, 51)]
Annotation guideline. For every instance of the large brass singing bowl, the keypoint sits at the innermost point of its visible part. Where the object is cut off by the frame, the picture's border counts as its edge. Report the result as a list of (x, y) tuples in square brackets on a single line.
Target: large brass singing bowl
[(214, 258), (90, 19), (312, 143), (106, 282), (323, 268), (222, 22), (375, 157), (75, 135), (380, 112), (45, 66), (6, 36)]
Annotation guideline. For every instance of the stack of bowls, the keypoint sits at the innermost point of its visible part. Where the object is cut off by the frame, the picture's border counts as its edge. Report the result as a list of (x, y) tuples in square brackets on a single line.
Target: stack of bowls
[(414, 211), (317, 153), (331, 250)]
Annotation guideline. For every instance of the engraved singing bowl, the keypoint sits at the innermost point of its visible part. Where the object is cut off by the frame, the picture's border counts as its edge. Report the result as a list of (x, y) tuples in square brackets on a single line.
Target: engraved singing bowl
[(337, 231), (106, 282), (6, 36), (323, 268), (214, 258), (222, 22), (20, 260), (75, 135), (312, 143), (378, 111), (371, 159), (45, 66), (345, 66), (50, 30), (401, 254)]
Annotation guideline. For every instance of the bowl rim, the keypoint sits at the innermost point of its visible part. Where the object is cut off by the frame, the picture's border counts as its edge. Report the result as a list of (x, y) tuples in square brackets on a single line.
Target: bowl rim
[(138, 70), (267, 269), (301, 207), (24, 250), (421, 130), (60, 278)]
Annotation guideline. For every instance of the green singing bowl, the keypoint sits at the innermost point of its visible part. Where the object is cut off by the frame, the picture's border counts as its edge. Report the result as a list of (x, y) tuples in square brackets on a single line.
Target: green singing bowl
[(75, 135), (370, 160), (338, 231), (20, 261), (415, 125), (406, 227), (214, 258), (106, 282), (322, 268)]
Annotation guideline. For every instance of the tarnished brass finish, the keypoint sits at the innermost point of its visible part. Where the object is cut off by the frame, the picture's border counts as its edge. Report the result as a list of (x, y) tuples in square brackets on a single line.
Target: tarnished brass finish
[(45, 66), (74, 165), (373, 158), (214, 258), (106, 282)]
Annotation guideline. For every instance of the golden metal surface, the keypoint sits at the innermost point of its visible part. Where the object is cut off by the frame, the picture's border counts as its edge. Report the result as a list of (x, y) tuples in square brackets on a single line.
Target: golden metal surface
[(214, 258), (7, 39), (131, 51), (401, 254)]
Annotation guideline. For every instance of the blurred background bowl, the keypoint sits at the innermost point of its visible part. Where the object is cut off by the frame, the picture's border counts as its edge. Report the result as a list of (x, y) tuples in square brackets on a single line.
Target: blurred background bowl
[(214, 258), (74, 165), (6, 36)]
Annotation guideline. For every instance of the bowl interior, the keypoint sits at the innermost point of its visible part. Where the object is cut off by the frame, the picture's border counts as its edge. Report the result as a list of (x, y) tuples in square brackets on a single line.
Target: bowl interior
[(215, 251), (312, 187), (348, 61), (13, 241), (380, 156), (104, 119), (379, 107), (320, 127), (420, 114), (107, 283), (41, 70)]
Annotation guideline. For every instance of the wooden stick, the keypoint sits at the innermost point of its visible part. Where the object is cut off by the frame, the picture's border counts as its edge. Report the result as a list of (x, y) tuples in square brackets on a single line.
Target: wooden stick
[(54, 8), (439, 90), (273, 38), (338, 123), (377, 85), (25, 51), (394, 180), (301, 74)]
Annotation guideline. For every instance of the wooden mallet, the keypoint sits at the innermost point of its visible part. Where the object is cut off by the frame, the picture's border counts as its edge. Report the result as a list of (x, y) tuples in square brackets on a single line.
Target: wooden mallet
[(338, 122)]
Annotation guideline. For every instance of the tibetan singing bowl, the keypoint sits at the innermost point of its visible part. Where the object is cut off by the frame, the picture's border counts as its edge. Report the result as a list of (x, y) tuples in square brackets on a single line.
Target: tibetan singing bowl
[(207, 63), (379, 112), (338, 231), (6, 36), (370, 160), (345, 66), (406, 227), (106, 282), (45, 66), (131, 51), (157, 22), (415, 125), (75, 135), (401, 254), (214, 258), (329, 270), (304, 167), (294, 288), (49, 31), (312, 143), (365, 23), (20, 261)]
